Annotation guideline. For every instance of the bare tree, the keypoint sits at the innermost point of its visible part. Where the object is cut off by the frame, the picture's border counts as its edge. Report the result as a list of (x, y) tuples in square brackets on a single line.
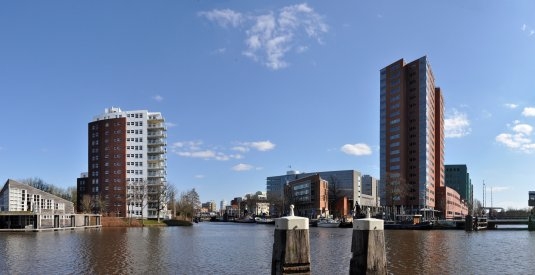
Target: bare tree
[(188, 204), (137, 199), (165, 192), (86, 204)]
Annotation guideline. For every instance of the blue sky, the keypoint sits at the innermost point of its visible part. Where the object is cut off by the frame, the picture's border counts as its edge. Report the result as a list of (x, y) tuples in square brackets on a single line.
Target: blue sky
[(250, 88)]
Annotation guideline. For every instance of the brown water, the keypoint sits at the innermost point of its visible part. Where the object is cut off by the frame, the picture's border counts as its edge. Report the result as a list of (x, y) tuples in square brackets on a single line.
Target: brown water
[(228, 248)]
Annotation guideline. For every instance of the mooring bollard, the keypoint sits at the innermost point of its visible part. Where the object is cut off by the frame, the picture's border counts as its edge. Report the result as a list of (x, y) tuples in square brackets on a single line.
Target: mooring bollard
[(368, 247), (291, 246)]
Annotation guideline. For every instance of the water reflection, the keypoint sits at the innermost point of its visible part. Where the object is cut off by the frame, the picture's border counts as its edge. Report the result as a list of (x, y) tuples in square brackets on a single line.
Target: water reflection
[(227, 248)]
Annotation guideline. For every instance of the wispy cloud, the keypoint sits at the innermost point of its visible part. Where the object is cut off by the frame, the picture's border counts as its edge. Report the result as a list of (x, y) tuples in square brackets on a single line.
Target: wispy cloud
[(197, 149), (224, 18), (219, 51), (528, 111), (158, 98), (519, 139), (199, 176), (527, 29), (358, 149), (170, 124), (456, 125), (511, 105), (242, 167), (269, 37)]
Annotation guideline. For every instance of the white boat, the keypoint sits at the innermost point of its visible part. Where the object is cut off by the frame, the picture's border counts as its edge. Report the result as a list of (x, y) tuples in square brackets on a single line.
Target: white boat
[(328, 223), (264, 220)]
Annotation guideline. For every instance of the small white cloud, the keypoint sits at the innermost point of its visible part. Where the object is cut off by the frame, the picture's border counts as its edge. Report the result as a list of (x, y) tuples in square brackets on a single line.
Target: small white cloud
[(511, 105), (262, 145), (199, 176), (194, 149), (158, 98), (519, 139), (523, 129), (242, 167), (528, 111), (524, 26), (170, 124), (456, 125), (358, 149), (242, 149), (223, 17), (531, 32)]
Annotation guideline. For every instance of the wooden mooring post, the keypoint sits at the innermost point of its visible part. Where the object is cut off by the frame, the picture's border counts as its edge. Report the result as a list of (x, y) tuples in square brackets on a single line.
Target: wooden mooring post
[(368, 247), (291, 246)]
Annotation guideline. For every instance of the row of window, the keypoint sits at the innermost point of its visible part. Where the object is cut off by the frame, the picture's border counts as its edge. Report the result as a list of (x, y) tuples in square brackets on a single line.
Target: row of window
[(137, 132), (135, 123), (135, 115)]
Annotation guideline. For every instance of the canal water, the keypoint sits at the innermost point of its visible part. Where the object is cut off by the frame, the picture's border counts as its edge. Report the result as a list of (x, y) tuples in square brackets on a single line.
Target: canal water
[(229, 248)]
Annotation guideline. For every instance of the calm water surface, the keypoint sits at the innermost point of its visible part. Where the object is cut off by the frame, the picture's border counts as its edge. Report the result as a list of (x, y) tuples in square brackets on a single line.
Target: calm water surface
[(228, 248)]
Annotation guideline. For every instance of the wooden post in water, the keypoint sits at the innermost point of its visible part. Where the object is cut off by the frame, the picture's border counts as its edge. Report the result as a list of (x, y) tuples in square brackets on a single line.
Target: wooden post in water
[(291, 246), (468, 223), (368, 247)]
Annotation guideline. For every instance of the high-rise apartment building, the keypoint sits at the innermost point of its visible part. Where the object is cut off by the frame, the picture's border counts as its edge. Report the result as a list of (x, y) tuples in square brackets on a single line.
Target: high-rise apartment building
[(412, 136), (126, 165)]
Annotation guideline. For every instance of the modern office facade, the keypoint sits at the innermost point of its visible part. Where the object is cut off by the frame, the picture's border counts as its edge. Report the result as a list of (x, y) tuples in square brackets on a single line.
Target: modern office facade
[(126, 164), (342, 184), (309, 195), (458, 178), (411, 136)]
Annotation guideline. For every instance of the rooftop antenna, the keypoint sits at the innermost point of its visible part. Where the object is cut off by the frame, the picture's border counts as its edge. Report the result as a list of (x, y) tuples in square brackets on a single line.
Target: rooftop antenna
[(484, 191)]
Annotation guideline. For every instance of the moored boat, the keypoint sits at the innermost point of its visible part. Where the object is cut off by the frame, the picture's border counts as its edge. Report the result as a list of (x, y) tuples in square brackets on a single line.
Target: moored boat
[(330, 223), (264, 220)]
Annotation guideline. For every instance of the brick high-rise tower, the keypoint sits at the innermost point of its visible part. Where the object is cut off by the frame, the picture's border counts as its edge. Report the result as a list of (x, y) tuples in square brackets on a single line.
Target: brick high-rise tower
[(126, 164), (412, 136)]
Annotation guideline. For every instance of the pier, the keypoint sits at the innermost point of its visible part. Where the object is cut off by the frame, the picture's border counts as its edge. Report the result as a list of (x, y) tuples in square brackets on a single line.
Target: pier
[(22, 221)]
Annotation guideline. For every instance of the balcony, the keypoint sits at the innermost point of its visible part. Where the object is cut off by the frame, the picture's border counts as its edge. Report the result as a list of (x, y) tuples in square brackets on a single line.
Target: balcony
[(156, 134), (157, 150), (160, 174), (156, 142)]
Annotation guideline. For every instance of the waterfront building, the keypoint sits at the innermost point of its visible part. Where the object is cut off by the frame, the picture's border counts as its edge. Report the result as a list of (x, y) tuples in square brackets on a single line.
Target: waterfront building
[(450, 203), (342, 184), (458, 178), (23, 207), (411, 136), (370, 191), (126, 165), (309, 195)]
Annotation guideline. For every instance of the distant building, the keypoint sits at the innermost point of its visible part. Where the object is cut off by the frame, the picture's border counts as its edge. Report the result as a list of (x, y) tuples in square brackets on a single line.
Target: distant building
[(343, 183), (531, 200), (411, 136), (126, 165), (309, 195), (210, 206), (450, 203), (370, 191), (458, 178)]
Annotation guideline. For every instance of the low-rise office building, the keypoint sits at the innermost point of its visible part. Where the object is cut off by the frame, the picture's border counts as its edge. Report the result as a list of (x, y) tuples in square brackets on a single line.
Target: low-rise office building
[(26, 207)]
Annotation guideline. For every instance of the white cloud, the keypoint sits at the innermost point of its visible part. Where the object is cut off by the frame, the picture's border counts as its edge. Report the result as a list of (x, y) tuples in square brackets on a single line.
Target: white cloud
[(520, 139), (456, 125), (271, 36), (528, 29), (528, 111), (242, 167), (511, 105), (358, 149), (523, 129), (170, 124), (261, 145), (196, 149), (199, 176), (223, 17), (158, 98)]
